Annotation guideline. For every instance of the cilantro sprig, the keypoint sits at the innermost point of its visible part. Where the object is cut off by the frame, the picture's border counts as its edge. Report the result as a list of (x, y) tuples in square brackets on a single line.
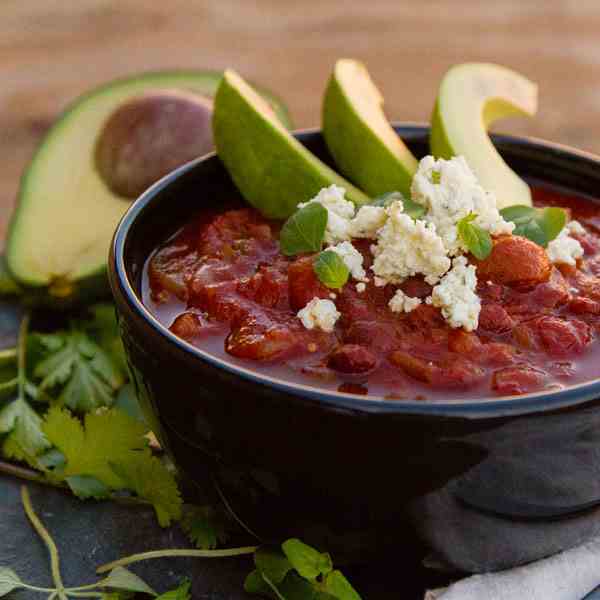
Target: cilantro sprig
[(331, 270), (477, 240), (540, 225)]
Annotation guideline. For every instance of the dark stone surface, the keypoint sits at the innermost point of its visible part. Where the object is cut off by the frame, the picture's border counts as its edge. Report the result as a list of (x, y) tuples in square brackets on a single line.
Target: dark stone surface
[(89, 534)]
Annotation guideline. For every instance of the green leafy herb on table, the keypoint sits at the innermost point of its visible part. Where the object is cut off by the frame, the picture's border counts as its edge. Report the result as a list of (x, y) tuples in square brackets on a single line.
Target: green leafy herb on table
[(24, 439), (298, 571), (304, 230), (109, 451), (540, 225), (331, 269), (205, 526), (477, 240)]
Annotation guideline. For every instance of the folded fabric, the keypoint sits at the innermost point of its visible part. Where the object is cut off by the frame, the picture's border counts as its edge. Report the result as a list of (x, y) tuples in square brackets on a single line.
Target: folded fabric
[(569, 575)]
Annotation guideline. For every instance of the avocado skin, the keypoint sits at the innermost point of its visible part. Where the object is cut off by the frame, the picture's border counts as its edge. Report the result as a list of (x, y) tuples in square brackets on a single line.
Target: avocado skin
[(94, 285), (371, 166)]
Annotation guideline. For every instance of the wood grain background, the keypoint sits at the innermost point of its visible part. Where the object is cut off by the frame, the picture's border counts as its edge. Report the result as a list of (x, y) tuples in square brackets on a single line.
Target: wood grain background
[(53, 50)]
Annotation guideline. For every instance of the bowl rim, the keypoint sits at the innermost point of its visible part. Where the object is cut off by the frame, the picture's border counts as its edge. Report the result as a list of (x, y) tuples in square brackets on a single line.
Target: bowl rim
[(502, 406)]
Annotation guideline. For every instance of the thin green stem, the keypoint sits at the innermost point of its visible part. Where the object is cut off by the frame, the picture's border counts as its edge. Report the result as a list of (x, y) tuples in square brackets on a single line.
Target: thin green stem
[(128, 560), (272, 586), (43, 533), (9, 385), (21, 350)]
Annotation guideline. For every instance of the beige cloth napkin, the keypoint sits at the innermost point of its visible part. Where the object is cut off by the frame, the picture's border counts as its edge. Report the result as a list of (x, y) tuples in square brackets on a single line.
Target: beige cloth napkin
[(570, 575)]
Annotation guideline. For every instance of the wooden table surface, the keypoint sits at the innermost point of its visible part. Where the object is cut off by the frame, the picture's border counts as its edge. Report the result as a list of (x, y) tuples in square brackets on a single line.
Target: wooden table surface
[(51, 51)]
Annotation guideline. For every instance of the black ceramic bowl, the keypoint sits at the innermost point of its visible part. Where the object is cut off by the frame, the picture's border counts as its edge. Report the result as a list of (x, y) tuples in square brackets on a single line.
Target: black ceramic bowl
[(485, 484)]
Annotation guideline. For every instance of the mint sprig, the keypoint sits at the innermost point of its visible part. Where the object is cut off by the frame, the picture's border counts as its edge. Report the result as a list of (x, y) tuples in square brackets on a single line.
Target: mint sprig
[(304, 230), (331, 269), (536, 224), (477, 240)]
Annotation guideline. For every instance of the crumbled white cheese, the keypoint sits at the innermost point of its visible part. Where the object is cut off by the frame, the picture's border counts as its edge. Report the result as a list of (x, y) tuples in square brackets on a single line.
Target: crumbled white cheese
[(361, 287), (319, 313), (564, 249), (339, 213), (407, 247), (352, 258), (368, 220), (400, 302), (576, 228), (450, 191), (455, 296)]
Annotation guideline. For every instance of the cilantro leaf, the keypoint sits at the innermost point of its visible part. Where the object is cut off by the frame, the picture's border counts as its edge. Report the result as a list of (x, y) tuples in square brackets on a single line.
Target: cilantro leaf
[(102, 326), (183, 592), (477, 240), (304, 230), (105, 437), (539, 225), (150, 479), (411, 208), (9, 581), (310, 563), (79, 369), (110, 446), (85, 486), (205, 527), (25, 439), (331, 269), (123, 579)]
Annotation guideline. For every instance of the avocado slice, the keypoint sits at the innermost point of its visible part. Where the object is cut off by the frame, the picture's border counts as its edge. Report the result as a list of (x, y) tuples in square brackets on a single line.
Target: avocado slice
[(471, 97), (272, 169), (60, 232), (360, 138)]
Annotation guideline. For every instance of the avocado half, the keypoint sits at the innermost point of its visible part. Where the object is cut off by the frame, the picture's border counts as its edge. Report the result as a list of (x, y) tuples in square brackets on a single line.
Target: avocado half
[(60, 232)]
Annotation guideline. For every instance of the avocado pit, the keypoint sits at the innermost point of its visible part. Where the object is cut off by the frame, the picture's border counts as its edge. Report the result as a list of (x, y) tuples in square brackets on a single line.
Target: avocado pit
[(150, 135)]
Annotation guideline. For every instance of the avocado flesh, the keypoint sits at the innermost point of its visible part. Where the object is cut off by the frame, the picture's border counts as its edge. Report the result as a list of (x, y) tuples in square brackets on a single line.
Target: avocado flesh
[(270, 167), (471, 97), (359, 136), (61, 229)]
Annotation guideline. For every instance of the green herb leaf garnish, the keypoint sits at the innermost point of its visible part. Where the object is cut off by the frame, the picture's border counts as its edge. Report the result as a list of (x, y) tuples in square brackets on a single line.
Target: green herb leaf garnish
[(412, 209), (539, 225), (299, 572), (476, 239), (310, 563), (304, 230), (331, 269)]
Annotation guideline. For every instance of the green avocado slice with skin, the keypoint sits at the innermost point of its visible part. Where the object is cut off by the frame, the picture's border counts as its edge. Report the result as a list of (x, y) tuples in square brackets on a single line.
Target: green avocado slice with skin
[(360, 138), (471, 97), (272, 169), (60, 231)]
